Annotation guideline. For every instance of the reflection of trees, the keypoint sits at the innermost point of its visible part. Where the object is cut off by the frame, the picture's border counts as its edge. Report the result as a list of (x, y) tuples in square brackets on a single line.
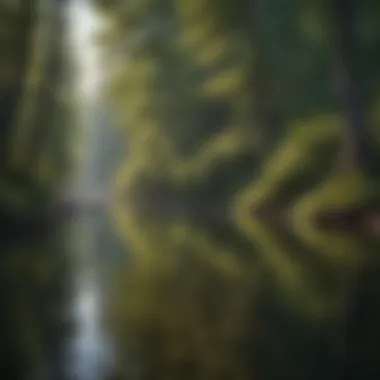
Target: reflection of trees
[(187, 312), (32, 277), (292, 296)]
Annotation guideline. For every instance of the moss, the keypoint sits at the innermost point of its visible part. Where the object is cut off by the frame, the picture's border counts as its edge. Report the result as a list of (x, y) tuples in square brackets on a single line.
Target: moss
[(295, 165)]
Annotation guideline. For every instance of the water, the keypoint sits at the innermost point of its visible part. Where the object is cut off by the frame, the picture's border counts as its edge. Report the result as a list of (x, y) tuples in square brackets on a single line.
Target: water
[(88, 353), (206, 299)]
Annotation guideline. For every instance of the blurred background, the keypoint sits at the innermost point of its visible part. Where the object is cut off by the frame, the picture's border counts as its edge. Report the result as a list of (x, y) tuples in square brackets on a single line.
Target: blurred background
[(189, 189)]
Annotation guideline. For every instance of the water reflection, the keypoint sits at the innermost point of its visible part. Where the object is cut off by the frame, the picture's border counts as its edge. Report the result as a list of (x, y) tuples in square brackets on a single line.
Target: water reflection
[(205, 300), (174, 311), (88, 352)]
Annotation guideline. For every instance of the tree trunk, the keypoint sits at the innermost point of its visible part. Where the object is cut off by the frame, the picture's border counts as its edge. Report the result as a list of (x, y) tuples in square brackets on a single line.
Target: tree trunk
[(264, 113), (354, 144), (11, 94), (43, 133)]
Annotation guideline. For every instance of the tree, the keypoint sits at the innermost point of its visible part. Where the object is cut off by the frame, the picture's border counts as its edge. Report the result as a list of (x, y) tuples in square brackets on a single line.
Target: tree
[(196, 83), (355, 143)]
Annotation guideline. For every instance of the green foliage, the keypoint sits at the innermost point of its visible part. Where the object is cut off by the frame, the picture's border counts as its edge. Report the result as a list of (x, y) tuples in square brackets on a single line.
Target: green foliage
[(233, 106), (33, 137)]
